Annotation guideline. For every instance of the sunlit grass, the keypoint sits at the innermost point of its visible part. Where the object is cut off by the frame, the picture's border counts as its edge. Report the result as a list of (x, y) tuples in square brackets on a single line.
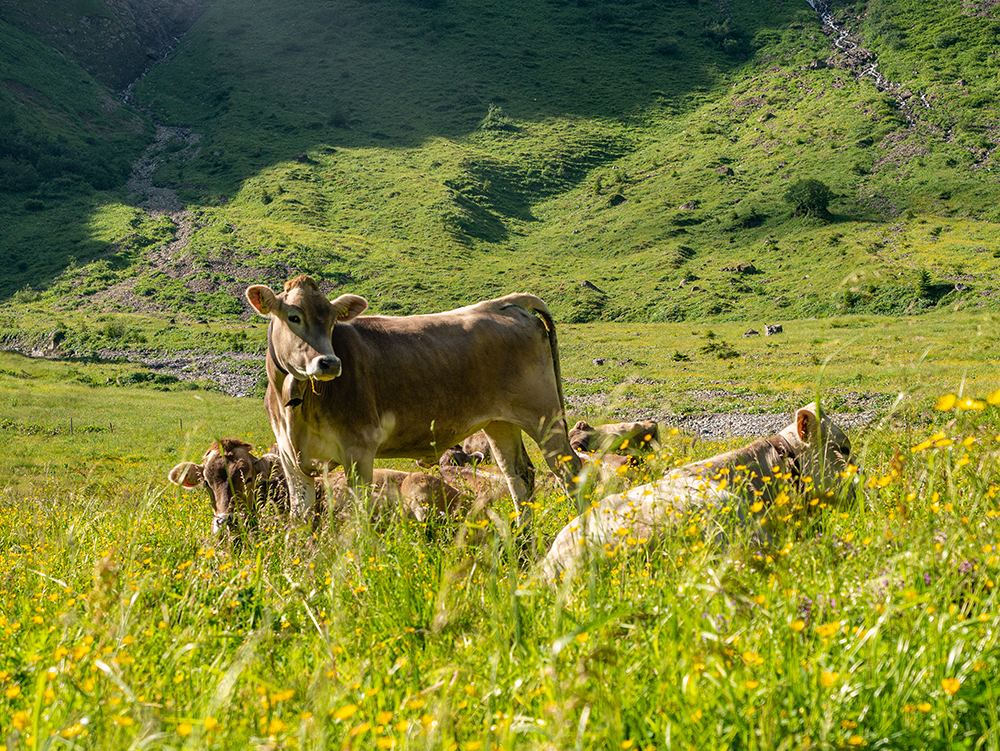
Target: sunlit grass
[(867, 623)]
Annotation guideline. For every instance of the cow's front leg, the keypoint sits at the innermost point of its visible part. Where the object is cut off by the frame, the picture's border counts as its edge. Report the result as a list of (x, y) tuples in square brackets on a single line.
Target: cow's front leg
[(301, 490)]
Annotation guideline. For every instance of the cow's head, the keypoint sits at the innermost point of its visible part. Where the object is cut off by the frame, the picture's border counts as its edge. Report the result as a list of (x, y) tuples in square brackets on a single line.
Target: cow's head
[(302, 322), (822, 451), (230, 473)]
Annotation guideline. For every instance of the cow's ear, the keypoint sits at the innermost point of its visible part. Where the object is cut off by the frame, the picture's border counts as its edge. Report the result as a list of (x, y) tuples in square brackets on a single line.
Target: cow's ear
[(349, 306), (262, 299), (186, 474), (807, 423)]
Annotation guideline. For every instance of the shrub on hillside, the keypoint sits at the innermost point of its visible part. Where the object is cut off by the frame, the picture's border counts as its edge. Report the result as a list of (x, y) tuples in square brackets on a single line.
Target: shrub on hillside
[(17, 176), (668, 46), (809, 197), (497, 121), (946, 39)]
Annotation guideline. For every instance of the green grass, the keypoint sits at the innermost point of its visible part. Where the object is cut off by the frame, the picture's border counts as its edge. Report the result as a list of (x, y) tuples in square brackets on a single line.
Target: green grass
[(456, 151), (434, 176), (123, 623)]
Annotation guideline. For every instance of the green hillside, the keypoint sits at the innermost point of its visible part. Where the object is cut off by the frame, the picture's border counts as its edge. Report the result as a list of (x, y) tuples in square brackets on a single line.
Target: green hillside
[(426, 153)]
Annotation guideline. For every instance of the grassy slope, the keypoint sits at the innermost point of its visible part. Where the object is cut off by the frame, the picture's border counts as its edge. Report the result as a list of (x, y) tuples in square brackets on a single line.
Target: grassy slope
[(65, 141), (415, 197), (123, 624), (115, 608)]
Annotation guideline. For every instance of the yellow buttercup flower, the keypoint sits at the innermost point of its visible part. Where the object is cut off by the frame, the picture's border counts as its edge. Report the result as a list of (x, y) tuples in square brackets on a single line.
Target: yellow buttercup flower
[(345, 712), (276, 726), (945, 403), (797, 625), (951, 685), (828, 629)]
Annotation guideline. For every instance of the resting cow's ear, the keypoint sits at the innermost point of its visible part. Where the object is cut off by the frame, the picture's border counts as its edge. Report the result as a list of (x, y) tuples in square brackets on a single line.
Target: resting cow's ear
[(262, 299), (348, 307), (807, 423), (187, 475)]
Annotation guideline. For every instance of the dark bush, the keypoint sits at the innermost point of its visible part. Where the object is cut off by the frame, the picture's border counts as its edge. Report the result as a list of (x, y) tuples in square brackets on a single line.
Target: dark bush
[(666, 46), (946, 39), (17, 176), (809, 197), (924, 283)]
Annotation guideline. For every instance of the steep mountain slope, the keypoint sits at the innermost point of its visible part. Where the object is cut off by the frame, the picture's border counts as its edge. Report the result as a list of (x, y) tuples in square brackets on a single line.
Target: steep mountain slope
[(114, 40), (426, 153)]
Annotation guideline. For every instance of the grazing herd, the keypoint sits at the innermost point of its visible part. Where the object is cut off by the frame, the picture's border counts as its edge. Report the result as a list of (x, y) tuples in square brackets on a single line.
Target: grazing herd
[(344, 390)]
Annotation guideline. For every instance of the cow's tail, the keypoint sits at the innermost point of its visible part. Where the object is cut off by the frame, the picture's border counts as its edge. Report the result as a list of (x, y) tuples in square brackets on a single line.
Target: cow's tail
[(538, 307)]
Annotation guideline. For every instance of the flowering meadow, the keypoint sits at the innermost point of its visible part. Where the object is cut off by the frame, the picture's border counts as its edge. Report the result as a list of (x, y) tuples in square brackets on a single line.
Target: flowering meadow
[(872, 619)]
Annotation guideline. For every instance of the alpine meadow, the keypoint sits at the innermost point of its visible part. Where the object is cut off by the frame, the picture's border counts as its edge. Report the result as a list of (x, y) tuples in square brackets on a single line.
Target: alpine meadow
[(733, 209)]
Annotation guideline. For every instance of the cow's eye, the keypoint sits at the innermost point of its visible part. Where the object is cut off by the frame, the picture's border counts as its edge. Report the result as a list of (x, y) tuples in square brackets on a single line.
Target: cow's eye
[(294, 319)]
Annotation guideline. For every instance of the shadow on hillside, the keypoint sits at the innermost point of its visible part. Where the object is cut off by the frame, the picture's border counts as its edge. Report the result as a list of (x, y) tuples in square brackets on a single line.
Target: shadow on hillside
[(41, 244), (266, 81)]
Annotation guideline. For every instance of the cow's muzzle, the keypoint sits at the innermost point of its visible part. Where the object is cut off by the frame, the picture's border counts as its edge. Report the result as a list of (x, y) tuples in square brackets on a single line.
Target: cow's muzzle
[(220, 522), (324, 368)]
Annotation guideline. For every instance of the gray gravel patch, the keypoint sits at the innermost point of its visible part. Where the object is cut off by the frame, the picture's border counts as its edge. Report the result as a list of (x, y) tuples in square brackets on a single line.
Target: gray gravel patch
[(733, 425), (235, 373)]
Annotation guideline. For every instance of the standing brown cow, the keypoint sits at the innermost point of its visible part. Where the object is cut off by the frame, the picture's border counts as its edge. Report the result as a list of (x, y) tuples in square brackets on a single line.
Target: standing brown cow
[(344, 389)]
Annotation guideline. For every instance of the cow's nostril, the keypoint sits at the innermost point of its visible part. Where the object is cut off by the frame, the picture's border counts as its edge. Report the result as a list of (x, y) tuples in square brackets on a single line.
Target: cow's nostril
[(326, 367)]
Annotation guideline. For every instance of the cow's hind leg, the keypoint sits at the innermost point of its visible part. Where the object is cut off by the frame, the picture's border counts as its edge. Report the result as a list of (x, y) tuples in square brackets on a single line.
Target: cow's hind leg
[(553, 440), (512, 458)]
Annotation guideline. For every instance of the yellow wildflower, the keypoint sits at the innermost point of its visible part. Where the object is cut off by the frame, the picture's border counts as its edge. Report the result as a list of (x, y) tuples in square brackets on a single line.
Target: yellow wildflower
[(828, 629), (345, 712), (945, 403)]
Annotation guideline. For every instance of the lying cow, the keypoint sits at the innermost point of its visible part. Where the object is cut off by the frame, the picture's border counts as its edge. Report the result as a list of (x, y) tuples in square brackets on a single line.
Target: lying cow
[(238, 482), (614, 438), (478, 443), (344, 389), (609, 466), (730, 493), (474, 450), (456, 456), (417, 495), (242, 485)]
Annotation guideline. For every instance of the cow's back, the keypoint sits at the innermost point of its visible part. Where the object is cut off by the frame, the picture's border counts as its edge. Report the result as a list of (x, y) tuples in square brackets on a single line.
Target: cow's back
[(457, 369)]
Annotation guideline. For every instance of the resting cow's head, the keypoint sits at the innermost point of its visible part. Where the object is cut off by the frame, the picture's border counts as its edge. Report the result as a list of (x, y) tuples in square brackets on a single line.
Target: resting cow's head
[(302, 322), (230, 473), (822, 450)]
